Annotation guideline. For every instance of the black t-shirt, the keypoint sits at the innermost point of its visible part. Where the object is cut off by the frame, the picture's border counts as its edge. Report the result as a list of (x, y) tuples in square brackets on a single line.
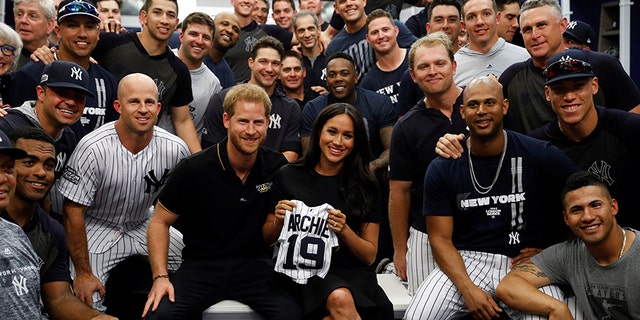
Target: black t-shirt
[(611, 152)]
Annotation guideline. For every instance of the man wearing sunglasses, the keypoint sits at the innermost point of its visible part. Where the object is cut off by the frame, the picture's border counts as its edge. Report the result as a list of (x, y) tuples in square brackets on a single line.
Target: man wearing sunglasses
[(78, 31), (542, 27), (601, 140), (597, 139)]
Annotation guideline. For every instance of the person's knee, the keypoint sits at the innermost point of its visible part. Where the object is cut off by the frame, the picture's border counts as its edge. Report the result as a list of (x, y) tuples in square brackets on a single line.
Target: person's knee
[(340, 300)]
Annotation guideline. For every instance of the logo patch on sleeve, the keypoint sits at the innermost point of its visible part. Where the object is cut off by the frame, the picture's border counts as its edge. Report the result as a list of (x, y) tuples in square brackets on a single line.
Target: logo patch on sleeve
[(71, 175)]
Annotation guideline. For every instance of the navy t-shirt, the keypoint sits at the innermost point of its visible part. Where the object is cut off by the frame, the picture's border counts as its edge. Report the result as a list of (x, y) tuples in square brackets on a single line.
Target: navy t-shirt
[(521, 210)]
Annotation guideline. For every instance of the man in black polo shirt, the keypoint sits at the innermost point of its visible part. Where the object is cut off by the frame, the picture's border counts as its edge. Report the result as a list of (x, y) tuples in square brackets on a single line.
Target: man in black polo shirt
[(221, 196)]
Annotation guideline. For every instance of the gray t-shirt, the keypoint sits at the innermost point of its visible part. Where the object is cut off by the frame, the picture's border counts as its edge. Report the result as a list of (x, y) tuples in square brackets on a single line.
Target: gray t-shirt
[(473, 64), (19, 274), (602, 292)]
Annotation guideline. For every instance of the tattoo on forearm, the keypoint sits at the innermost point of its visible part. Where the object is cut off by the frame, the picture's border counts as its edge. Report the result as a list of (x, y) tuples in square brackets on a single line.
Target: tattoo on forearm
[(530, 268)]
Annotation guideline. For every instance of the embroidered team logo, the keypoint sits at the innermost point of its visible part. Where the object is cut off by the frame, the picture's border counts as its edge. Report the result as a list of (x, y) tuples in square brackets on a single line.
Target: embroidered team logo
[(275, 121), (20, 285), (514, 237), (572, 25), (153, 181), (262, 188), (71, 175), (76, 73)]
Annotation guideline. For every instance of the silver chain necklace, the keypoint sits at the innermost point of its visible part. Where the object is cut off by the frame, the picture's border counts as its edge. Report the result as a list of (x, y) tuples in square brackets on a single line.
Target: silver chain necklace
[(476, 185), (624, 242)]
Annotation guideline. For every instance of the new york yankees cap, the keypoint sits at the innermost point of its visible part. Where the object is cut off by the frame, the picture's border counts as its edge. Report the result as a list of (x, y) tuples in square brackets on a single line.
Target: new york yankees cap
[(568, 64), (66, 74), (581, 32), (7, 148), (68, 8)]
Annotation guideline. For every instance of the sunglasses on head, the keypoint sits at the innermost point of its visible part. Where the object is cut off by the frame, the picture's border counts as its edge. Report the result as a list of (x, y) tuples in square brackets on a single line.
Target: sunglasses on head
[(8, 50), (563, 67), (77, 6)]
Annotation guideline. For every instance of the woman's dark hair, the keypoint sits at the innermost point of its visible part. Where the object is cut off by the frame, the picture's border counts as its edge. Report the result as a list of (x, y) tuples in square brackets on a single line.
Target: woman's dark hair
[(359, 187)]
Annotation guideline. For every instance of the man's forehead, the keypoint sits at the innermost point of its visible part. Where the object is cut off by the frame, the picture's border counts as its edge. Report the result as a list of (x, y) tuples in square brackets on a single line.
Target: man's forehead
[(340, 64), (30, 145), (194, 25), (164, 5), (291, 61), (267, 52)]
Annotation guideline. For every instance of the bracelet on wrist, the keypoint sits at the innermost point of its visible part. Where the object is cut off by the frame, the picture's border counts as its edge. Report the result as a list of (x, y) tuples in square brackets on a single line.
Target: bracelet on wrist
[(160, 276)]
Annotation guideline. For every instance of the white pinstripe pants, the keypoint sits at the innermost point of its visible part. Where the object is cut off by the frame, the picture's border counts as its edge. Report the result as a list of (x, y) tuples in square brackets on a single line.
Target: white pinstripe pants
[(132, 242), (419, 259), (438, 298)]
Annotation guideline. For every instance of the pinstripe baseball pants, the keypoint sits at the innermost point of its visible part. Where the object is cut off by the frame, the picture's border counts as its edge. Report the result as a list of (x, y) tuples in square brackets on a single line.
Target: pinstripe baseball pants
[(132, 242), (419, 259), (437, 298)]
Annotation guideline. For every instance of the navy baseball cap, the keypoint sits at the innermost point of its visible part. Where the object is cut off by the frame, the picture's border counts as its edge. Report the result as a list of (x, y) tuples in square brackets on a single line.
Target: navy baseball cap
[(568, 64), (68, 8), (66, 74), (7, 148), (581, 32)]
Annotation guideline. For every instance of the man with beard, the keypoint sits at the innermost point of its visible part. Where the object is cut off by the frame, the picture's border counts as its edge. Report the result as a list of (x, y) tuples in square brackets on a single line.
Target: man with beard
[(265, 64), (225, 36), (225, 251)]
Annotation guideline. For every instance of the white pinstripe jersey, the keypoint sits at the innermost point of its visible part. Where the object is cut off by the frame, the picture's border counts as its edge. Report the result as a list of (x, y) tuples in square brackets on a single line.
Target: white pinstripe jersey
[(118, 187), (305, 243)]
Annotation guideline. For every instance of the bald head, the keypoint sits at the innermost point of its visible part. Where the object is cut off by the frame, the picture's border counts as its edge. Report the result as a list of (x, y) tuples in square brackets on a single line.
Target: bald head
[(488, 84), (136, 81), (226, 32)]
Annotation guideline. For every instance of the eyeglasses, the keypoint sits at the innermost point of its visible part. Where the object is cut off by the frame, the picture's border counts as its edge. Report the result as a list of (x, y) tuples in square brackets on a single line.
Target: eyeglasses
[(77, 6), (564, 67), (8, 50)]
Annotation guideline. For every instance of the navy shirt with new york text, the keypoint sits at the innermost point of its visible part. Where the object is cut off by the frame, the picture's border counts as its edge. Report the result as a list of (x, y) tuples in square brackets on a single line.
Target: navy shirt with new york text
[(522, 209)]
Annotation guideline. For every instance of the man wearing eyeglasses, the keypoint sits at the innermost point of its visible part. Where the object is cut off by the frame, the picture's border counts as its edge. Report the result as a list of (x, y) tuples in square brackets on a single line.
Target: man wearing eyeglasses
[(265, 64), (78, 31)]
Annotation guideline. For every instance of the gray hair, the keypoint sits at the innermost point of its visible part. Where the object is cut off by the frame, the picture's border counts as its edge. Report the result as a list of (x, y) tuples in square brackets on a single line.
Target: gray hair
[(303, 13), (12, 38), (47, 7), (532, 4)]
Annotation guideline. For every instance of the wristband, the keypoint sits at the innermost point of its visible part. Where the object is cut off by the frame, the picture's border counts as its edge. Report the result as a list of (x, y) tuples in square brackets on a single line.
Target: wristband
[(160, 276)]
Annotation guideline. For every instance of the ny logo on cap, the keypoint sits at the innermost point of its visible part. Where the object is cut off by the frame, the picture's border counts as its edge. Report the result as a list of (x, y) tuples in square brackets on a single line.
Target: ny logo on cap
[(572, 25), (76, 73), (565, 58)]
